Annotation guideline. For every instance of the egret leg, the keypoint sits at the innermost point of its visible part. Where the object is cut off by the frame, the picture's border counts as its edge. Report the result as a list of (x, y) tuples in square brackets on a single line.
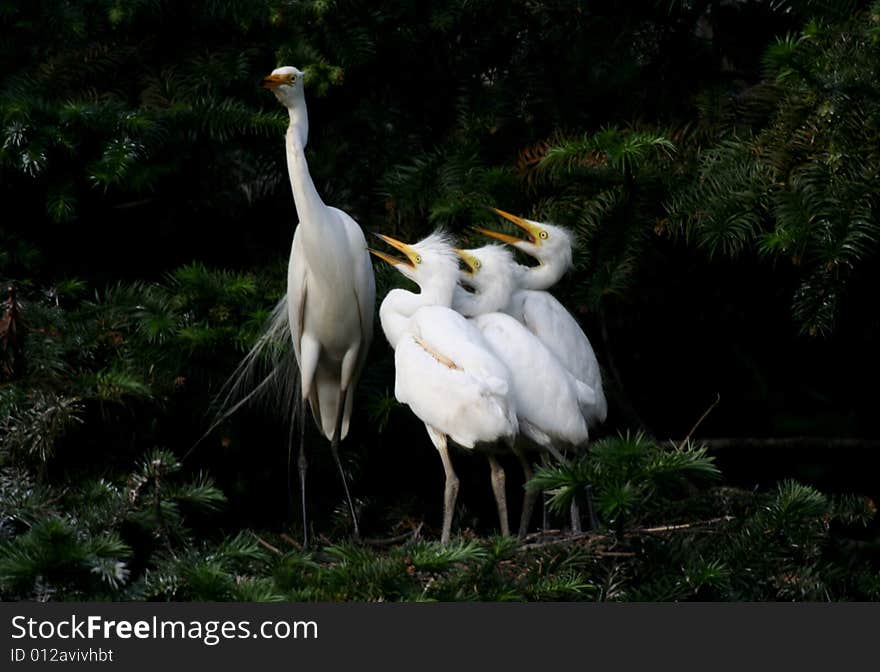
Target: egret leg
[(545, 497), (498, 482), (545, 511), (591, 509), (309, 352), (303, 465), (450, 492), (334, 448), (555, 453), (574, 513), (529, 496)]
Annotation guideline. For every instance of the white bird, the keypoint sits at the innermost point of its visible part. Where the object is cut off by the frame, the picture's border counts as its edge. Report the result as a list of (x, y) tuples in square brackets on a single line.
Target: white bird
[(549, 400), (541, 312), (331, 291), (545, 316), (444, 370)]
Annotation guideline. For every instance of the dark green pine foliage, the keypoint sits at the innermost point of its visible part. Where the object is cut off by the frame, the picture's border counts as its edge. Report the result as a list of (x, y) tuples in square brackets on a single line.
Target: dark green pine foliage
[(109, 109), (82, 510), (787, 168), (677, 540), (145, 118)]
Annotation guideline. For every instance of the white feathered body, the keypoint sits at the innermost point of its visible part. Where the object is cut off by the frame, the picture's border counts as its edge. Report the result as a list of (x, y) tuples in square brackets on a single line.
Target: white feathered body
[(550, 402), (330, 300), (446, 373), (545, 317)]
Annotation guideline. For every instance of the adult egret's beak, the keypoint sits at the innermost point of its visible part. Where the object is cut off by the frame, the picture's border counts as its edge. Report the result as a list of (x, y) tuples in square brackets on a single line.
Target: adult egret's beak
[(533, 231), (274, 81), (470, 260), (412, 257)]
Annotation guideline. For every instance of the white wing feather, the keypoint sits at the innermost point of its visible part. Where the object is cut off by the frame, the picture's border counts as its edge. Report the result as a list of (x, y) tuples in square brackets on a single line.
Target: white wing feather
[(549, 320), (547, 396), (447, 375), (365, 295)]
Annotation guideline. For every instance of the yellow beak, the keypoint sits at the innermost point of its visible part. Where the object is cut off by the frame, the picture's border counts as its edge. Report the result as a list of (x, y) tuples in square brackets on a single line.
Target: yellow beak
[(533, 231), (412, 257), (470, 260), (274, 81)]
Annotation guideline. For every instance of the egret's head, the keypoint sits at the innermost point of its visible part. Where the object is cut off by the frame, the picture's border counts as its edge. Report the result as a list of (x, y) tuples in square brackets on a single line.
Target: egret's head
[(286, 83), (428, 261), (542, 241), (486, 267)]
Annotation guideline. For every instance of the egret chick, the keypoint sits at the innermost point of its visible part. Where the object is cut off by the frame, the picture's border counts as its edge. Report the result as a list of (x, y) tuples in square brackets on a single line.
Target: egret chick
[(549, 400), (543, 315), (444, 369)]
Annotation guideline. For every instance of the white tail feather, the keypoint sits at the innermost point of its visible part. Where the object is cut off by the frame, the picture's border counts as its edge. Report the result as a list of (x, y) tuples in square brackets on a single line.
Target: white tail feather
[(267, 376)]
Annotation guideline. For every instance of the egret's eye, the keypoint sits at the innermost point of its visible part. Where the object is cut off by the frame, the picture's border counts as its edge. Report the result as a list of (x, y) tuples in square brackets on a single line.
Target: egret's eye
[(544, 235), (418, 259), (292, 79), (477, 263)]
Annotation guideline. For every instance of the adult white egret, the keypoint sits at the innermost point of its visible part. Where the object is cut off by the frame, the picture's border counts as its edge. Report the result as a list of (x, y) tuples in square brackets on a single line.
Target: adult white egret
[(549, 400), (541, 312), (331, 291), (444, 370)]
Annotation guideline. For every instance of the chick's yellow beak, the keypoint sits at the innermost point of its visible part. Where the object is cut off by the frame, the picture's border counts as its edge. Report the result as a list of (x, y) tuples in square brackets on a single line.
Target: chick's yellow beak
[(412, 257), (532, 231), (470, 260)]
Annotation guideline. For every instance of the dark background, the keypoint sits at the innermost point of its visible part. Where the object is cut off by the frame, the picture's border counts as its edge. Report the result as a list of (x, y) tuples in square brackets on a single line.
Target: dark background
[(387, 88)]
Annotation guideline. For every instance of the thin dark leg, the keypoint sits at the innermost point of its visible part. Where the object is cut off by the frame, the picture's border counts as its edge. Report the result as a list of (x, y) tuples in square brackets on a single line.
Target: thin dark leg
[(334, 448), (545, 511), (529, 496), (545, 497), (591, 511), (290, 501), (575, 514), (303, 467)]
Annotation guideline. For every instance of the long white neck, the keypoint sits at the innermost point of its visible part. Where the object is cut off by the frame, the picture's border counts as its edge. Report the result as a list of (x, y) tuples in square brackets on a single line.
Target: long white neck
[(308, 202), (400, 305), (299, 117), (543, 276), (489, 299)]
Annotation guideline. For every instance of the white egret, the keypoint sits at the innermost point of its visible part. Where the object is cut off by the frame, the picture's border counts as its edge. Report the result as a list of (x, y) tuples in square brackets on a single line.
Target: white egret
[(331, 291), (541, 312), (549, 400), (444, 369), (545, 316)]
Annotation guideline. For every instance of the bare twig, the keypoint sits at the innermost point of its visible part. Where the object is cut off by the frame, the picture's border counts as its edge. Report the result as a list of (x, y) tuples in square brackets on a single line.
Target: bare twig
[(682, 526), (799, 442), (406, 536), (267, 545), (557, 540), (594, 538), (290, 540), (700, 421)]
